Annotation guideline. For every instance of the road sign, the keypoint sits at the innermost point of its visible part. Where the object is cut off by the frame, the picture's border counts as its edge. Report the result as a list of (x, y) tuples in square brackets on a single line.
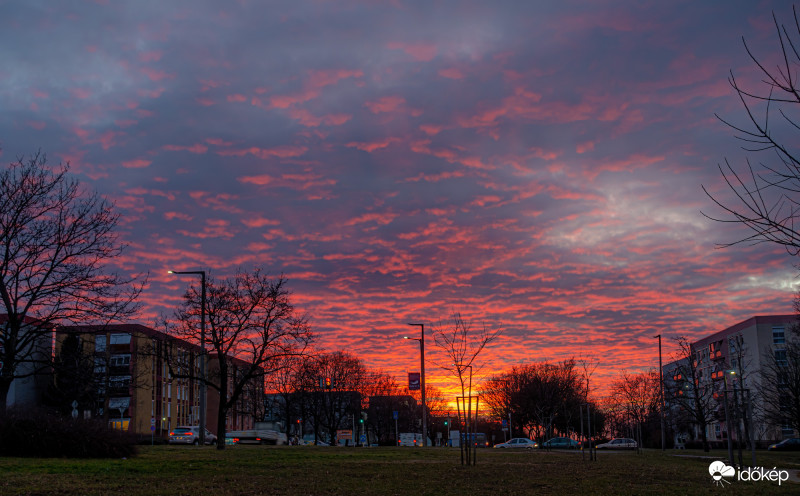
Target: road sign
[(394, 414), (363, 440), (505, 422)]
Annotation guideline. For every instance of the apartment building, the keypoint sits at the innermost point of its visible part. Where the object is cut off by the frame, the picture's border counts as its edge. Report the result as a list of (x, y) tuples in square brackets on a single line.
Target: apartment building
[(728, 365), (146, 381)]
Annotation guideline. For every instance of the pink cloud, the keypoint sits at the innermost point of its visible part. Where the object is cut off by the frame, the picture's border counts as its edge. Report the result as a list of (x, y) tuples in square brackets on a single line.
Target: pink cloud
[(319, 79), (205, 102), (136, 164), (156, 75), (307, 119), (423, 52), (385, 104), (80, 93), (286, 151), (380, 218), (38, 125), (430, 129), (237, 98), (151, 56), (196, 148), (372, 146), (261, 180), (177, 215), (451, 73), (259, 222)]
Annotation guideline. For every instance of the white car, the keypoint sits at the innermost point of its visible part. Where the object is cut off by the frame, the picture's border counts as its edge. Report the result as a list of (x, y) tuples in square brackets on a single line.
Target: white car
[(518, 442), (190, 435), (618, 443)]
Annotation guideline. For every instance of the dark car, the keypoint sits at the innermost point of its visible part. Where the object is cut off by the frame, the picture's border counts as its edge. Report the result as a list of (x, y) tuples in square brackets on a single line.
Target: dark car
[(791, 444), (561, 443)]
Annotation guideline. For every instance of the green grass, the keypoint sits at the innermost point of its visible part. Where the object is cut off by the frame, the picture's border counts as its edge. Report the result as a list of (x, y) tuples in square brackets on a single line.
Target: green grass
[(245, 470)]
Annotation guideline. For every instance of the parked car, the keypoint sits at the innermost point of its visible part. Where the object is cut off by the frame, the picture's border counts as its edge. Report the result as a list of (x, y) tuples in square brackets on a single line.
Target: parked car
[(561, 443), (231, 440), (618, 443), (518, 442), (791, 444), (190, 435)]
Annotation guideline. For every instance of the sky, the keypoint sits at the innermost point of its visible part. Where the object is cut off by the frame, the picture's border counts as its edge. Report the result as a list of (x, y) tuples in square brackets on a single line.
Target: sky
[(534, 166)]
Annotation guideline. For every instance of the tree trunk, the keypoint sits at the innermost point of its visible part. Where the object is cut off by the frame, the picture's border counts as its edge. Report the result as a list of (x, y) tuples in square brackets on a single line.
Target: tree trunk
[(5, 386)]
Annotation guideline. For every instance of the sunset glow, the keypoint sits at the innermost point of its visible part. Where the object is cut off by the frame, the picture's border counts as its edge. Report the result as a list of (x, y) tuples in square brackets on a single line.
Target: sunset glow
[(535, 166)]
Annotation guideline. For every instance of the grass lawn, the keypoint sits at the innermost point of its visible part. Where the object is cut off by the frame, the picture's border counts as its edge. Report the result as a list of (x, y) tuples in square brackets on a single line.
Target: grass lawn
[(245, 470)]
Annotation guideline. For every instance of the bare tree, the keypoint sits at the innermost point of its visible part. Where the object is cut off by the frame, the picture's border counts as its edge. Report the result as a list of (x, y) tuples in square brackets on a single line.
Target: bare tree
[(637, 398), (693, 396), (252, 326), (462, 346), (56, 239), (766, 195), (780, 378)]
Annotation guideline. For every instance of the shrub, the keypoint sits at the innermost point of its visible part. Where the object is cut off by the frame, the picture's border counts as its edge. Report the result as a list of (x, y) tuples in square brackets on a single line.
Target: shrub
[(37, 433)]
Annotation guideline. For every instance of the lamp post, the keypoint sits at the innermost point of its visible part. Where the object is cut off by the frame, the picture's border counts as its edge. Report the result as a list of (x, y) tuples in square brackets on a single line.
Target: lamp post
[(422, 381), (661, 388), (202, 275)]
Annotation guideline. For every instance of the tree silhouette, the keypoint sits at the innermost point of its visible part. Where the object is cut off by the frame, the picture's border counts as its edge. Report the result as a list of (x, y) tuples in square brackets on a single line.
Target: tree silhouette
[(55, 242)]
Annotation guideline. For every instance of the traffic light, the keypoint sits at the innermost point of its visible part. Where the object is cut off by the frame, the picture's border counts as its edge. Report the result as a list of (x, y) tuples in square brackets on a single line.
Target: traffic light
[(328, 382)]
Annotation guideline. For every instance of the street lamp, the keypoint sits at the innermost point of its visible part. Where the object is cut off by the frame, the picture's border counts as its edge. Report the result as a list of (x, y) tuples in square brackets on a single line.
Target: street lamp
[(422, 381), (202, 275), (661, 386)]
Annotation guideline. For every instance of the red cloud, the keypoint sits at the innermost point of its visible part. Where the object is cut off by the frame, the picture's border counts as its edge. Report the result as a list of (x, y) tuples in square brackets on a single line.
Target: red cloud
[(237, 98), (259, 222)]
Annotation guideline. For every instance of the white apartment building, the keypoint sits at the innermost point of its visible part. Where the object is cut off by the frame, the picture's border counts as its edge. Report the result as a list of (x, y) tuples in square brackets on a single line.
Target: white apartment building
[(730, 363)]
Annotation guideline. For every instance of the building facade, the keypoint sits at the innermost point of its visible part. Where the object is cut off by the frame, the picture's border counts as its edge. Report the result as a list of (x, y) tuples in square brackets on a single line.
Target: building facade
[(723, 379), (145, 381)]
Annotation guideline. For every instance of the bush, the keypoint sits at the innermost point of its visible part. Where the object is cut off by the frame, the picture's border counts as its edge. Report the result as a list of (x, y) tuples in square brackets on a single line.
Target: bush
[(38, 433)]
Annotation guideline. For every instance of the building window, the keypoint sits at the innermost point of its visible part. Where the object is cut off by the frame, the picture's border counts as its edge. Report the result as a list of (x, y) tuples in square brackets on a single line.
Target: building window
[(119, 381), (100, 343), (780, 358), (120, 360), (120, 338), (778, 336)]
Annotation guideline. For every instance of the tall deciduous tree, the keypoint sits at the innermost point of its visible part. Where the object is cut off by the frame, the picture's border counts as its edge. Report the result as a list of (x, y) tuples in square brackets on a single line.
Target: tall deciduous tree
[(250, 318), (56, 239), (766, 196)]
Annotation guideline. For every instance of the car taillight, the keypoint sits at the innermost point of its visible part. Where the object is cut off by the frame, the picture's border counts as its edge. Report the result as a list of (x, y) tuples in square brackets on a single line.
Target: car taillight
[(171, 433), (258, 439)]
